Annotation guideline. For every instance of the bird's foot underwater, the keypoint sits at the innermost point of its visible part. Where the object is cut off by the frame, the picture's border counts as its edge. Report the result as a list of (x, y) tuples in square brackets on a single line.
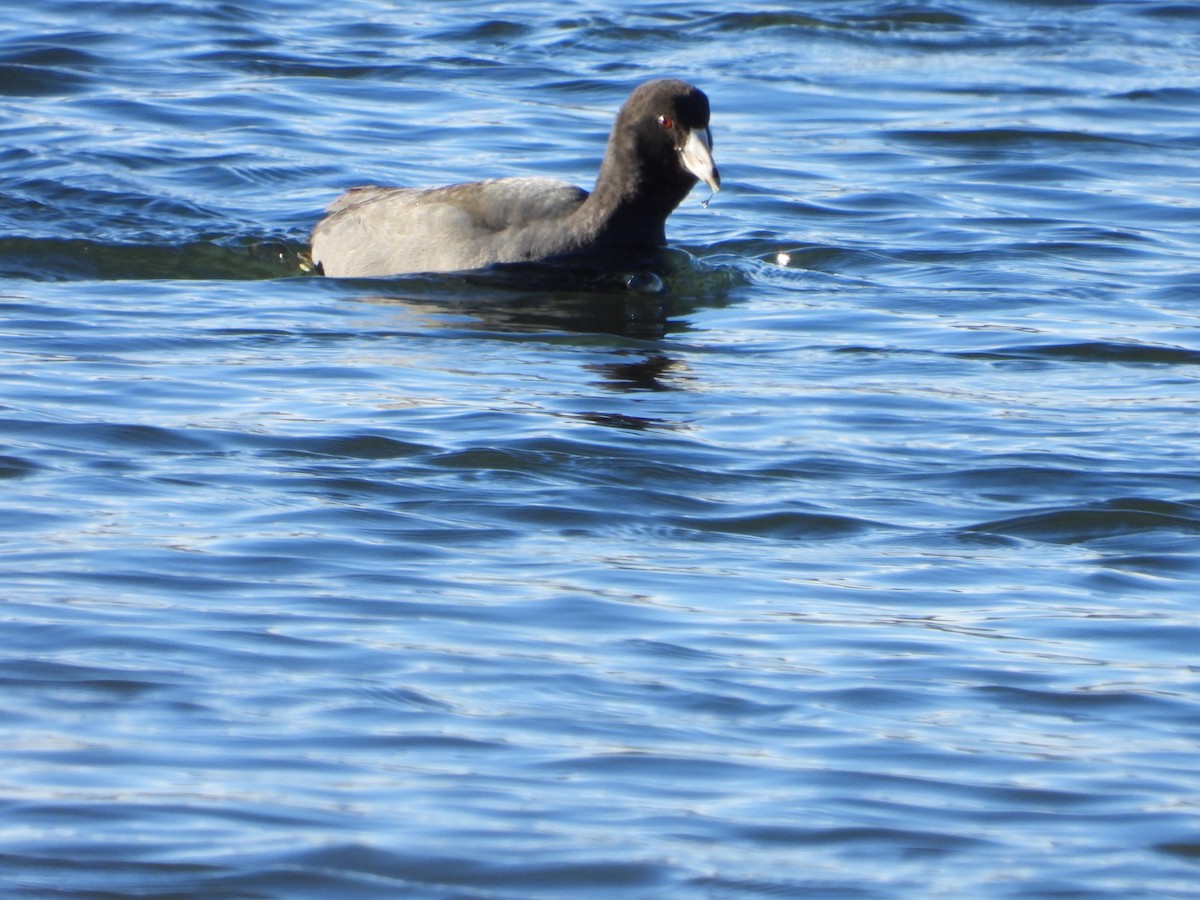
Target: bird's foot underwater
[(645, 283)]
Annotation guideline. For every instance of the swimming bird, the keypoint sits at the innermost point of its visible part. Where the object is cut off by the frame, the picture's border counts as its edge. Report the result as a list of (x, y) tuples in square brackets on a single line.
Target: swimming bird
[(659, 147)]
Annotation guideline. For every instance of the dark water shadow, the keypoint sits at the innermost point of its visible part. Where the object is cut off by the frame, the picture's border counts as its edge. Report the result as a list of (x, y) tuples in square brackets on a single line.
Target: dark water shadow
[(643, 301)]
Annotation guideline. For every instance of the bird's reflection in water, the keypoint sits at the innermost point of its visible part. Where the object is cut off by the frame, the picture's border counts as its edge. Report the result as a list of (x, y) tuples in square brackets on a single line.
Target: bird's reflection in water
[(648, 373), (626, 422), (645, 371), (629, 318)]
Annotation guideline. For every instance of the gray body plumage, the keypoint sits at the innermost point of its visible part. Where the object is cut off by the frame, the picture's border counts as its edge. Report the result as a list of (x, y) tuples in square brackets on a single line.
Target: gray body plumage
[(385, 231)]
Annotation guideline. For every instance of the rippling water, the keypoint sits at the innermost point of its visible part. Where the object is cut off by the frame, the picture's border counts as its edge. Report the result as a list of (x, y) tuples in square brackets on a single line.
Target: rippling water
[(853, 553)]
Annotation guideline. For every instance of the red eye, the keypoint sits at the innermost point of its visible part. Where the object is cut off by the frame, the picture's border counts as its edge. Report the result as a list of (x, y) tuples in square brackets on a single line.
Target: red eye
[(665, 122)]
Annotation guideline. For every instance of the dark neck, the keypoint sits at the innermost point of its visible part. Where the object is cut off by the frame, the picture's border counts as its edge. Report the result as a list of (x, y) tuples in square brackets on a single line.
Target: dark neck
[(633, 197)]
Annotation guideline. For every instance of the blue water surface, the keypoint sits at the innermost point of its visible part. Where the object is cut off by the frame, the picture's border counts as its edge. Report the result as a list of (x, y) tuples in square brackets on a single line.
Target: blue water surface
[(854, 551)]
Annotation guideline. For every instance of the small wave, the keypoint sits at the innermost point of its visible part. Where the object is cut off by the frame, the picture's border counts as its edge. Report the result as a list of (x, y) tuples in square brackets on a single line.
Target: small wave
[(112, 436), (995, 139), (1115, 518), (39, 81), (782, 524), (1095, 351), (17, 467), (759, 21), (64, 260), (348, 862), (889, 20), (1189, 850), (36, 69)]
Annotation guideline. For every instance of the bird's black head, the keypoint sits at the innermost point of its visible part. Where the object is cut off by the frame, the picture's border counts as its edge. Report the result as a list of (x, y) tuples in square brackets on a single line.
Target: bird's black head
[(670, 122)]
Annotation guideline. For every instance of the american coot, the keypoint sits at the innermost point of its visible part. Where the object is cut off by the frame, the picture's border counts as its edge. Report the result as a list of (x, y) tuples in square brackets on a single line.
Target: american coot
[(659, 146)]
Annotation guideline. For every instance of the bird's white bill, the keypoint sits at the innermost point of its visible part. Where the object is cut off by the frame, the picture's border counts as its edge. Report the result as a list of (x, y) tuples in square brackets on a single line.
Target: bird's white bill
[(696, 154)]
